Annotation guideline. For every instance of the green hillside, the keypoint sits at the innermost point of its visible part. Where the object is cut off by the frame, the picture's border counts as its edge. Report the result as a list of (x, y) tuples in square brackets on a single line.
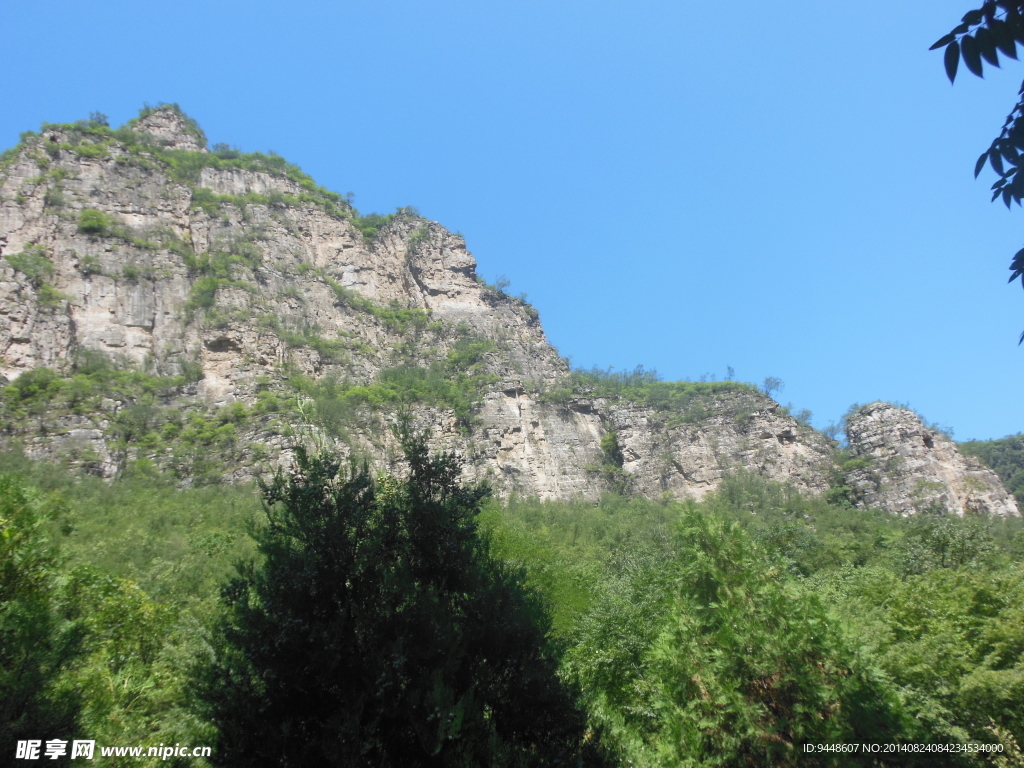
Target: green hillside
[(731, 631)]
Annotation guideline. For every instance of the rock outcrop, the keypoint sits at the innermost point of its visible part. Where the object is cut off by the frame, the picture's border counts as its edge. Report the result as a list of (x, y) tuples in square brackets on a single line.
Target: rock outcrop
[(244, 308), (902, 466)]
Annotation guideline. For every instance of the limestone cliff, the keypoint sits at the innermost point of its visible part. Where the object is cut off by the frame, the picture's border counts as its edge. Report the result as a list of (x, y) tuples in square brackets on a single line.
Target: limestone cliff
[(901, 465), (202, 311)]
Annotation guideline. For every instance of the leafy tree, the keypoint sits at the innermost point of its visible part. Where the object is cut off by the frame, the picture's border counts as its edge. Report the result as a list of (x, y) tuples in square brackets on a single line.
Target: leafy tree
[(983, 34), (939, 541), (379, 632), (771, 385), (132, 677), (36, 645), (720, 662), (951, 639)]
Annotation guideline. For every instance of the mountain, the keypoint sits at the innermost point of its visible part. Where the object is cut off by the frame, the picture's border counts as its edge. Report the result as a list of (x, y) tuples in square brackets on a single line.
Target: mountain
[(168, 308)]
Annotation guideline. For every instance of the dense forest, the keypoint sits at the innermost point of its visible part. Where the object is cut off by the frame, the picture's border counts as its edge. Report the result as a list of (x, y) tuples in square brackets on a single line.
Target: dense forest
[(332, 616)]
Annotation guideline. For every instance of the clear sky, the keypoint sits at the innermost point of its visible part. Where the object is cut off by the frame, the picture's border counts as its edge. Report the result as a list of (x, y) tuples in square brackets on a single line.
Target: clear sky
[(784, 188)]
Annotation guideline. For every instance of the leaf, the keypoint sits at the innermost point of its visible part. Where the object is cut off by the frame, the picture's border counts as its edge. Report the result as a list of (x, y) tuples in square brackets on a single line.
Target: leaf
[(980, 164), (987, 46), (1006, 197), (997, 162), (1017, 184), (960, 29), (1016, 134), (971, 54), (1003, 34), (944, 40), (972, 17), (952, 60)]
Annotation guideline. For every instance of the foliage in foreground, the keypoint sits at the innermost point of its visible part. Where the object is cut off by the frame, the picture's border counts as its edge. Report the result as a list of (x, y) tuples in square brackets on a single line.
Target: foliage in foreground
[(117, 614), (727, 632), (732, 666), (982, 36), (36, 644), (379, 631), (732, 631)]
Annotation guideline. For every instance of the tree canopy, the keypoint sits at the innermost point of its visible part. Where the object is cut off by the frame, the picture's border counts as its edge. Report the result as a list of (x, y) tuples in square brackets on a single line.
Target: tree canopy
[(378, 631)]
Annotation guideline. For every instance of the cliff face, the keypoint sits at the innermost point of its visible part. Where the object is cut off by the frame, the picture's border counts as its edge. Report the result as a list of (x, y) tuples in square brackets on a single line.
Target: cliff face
[(901, 465), (204, 311)]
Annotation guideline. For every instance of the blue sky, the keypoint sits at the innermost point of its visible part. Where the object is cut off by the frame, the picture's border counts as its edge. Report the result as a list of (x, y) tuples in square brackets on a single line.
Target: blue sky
[(781, 188)]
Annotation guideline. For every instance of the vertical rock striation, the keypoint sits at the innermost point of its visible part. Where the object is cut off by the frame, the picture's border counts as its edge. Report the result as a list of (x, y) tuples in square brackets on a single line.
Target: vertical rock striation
[(246, 308), (902, 466)]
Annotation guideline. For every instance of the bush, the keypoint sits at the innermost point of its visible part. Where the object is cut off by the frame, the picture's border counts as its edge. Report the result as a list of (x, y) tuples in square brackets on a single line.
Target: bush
[(50, 297), (36, 384), (646, 387), (93, 222), (371, 224), (33, 263)]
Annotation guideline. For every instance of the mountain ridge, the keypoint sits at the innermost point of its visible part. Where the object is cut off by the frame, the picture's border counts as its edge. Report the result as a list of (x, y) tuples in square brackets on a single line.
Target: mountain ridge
[(229, 306)]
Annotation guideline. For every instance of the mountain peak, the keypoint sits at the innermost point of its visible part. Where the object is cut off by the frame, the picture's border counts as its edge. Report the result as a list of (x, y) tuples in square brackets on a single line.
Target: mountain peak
[(171, 127), (203, 313)]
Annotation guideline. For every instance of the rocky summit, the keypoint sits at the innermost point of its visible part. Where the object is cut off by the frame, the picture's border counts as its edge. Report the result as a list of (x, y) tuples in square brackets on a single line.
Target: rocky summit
[(166, 307)]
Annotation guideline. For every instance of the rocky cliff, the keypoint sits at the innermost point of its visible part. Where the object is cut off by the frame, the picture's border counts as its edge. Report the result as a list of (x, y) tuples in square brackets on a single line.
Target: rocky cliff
[(899, 464), (168, 308)]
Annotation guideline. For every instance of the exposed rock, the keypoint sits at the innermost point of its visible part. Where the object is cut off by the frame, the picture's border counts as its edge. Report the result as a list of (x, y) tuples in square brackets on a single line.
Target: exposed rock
[(903, 466), (742, 430), (259, 285), (171, 129)]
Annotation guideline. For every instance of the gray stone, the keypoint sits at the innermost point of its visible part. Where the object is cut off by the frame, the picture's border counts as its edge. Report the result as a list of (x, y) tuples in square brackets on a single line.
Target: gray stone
[(307, 260)]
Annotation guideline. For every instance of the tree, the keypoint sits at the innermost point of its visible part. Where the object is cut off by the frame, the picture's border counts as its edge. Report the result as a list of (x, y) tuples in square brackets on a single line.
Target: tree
[(983, 34), (37, 646), (378, 631), (772, 384), (718, 661)]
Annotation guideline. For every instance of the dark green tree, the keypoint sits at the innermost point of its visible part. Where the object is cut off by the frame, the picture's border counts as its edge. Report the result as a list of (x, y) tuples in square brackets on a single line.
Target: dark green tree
[(378, 631), (982, 36)]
